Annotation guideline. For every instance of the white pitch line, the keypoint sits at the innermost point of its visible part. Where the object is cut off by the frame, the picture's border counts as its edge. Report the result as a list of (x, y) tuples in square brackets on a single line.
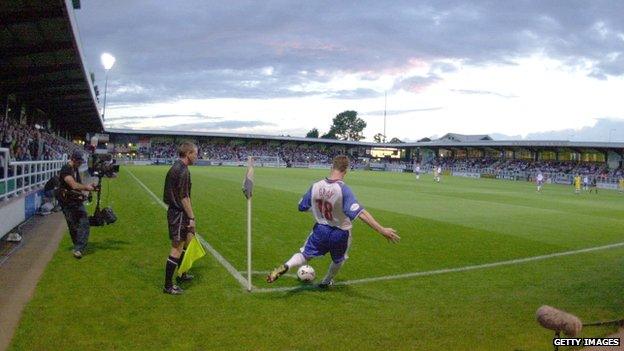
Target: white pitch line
[(453, 270), (292, 275), (227, 265)]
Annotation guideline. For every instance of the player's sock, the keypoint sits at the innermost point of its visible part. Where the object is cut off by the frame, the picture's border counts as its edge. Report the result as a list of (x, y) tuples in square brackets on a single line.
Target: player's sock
[(172, 264), (331, 272), (295, 261)]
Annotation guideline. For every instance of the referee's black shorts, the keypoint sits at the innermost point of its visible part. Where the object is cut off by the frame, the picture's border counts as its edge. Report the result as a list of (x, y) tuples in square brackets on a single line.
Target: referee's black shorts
[(178, 225)]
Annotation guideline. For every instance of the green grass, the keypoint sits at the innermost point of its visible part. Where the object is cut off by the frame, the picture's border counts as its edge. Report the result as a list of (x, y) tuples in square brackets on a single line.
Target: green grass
[(112, 298)]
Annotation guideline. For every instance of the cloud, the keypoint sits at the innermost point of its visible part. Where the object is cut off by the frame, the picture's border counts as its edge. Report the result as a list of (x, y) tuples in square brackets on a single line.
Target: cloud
[(416, 84), (118, 125), (499, 136), (482, 92), (399, 112), (169, 50), (355, 94), (146, 118), (231, 125), (604, 130)]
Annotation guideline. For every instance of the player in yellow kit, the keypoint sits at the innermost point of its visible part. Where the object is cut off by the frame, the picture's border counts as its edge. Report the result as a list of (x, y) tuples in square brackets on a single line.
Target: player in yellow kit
[(577, 184)]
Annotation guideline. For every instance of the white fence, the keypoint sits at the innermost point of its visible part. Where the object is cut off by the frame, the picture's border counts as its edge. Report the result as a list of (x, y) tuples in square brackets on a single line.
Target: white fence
[(22, 176)]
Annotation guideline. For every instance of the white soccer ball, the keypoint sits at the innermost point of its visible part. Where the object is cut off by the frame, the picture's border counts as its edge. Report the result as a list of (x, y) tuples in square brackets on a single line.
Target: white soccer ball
[(306, 273)]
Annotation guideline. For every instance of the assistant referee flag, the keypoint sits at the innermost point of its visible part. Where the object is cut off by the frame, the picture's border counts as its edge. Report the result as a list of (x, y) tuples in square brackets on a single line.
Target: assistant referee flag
[(194, 252)]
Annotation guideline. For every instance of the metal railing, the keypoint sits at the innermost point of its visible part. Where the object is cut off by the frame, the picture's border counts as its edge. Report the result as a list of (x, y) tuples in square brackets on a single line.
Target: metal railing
[(19, 177)]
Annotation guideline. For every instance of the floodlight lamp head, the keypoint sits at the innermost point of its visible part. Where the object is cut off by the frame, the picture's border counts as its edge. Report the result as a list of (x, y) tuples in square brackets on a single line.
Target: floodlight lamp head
[(108, 60)]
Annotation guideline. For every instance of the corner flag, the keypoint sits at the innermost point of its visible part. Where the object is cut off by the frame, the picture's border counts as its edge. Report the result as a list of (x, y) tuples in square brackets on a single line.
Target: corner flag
[(194, 251), (247, 191), (249, 179)]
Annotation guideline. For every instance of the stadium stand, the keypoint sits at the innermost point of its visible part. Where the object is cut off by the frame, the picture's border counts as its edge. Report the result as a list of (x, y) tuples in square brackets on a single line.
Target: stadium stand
[(556, 171), (28, 142), (288, 155), (467, 155), (47, 99)]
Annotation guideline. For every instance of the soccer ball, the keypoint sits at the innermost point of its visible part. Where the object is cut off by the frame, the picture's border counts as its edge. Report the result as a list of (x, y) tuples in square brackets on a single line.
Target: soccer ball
[(306, 273)]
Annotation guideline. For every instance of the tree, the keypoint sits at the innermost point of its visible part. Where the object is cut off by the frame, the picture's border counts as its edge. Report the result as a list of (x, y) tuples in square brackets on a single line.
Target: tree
[(314, 133), (347, 126), (329, 135), (396, 141), (379, 138)]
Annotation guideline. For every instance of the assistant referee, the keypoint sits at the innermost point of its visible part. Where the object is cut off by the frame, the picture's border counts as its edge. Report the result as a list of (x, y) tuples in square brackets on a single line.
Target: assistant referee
[(180, 215)]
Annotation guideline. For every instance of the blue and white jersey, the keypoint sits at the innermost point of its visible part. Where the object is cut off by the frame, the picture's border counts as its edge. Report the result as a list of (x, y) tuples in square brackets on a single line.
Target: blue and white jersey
[(332, 203)]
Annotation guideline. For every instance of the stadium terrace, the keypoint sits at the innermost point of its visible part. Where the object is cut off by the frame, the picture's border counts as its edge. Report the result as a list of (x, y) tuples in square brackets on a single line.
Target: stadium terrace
[(461, 155)]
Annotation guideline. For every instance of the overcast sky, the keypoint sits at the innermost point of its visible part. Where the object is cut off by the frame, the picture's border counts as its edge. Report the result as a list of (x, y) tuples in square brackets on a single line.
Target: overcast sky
[(530, 69)]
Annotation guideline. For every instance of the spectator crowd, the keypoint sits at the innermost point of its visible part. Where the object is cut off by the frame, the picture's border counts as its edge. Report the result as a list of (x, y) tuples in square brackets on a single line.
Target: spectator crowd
[(28, 143), (286, 154), (528, 167)]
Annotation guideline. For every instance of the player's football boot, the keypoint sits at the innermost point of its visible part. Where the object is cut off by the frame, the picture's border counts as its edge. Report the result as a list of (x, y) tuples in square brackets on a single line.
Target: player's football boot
[(326, 284), (173, 290), (276, 273)]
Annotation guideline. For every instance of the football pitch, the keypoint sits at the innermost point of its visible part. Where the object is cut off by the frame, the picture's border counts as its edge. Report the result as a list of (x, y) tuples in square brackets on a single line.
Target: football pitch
[(476, 259)]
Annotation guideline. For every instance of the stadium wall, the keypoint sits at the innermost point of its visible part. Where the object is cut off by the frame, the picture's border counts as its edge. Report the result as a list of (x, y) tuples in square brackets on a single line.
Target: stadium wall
[(466, 174), (18, 210)]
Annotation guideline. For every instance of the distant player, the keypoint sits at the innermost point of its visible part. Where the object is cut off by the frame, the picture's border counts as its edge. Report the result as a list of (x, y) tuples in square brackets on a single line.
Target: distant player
[(593, 186), (437, 173), (417, 170), (621, 184), (585, 182), (539, 180), (577, 184), (333, 206)]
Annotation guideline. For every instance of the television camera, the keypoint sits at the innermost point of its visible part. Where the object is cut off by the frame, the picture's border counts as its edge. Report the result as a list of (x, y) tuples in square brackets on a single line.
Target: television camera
[(101, 166)]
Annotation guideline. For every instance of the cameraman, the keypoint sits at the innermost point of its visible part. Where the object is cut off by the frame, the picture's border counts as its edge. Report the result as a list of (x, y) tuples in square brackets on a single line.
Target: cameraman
[(71, 198)]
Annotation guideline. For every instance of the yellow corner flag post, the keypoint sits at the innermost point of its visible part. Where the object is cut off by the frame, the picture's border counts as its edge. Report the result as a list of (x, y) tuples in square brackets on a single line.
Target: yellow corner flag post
[(247, 190), (194, 251)]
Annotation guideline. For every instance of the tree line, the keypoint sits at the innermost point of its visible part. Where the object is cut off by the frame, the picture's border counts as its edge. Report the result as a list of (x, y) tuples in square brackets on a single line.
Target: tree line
[(348, 126)]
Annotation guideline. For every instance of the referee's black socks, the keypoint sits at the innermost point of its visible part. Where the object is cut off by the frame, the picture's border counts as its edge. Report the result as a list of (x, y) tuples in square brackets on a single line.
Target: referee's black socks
[(172, 264)]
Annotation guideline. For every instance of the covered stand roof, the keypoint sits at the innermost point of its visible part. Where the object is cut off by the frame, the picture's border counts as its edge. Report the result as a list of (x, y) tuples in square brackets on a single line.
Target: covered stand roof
[(464, 138), (41, 62)]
